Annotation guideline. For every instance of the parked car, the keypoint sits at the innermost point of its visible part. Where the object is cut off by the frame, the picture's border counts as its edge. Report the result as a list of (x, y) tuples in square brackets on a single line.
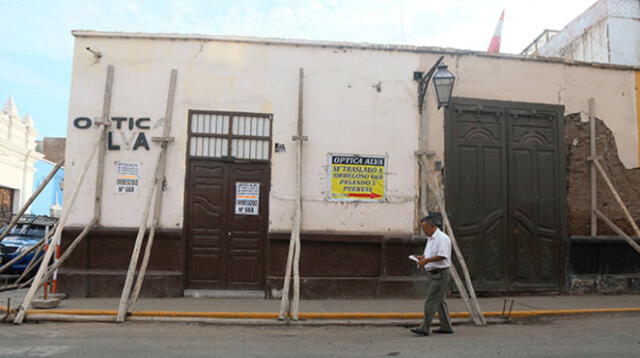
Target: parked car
[(29, 230)]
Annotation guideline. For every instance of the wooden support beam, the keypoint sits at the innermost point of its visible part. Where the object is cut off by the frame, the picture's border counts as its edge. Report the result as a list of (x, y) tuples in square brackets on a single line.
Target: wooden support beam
[(594, 178), (464, 294), (615, 194), (34, 261), (293, 257), (157, 208), (456, 249), (37, 280), (33, 197), (70, 249), (21, 256), (105, 121), (618, 231), (135, 255)]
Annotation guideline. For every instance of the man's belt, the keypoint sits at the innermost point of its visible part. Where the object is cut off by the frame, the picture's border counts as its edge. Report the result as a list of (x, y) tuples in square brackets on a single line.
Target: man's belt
[(435, 271)]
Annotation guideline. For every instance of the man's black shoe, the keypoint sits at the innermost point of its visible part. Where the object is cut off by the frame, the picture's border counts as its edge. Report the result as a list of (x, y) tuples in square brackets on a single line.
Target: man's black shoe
[(442, 331), (418, 331)]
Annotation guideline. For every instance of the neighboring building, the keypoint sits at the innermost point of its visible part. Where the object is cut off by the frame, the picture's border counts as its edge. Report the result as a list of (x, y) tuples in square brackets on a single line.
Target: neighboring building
[(510, 143), (52, 148), (17, 159), (608, 32), (49, 201)]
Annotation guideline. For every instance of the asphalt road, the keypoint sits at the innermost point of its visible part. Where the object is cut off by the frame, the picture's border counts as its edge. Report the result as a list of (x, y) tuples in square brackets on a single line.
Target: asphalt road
[(577, 336)]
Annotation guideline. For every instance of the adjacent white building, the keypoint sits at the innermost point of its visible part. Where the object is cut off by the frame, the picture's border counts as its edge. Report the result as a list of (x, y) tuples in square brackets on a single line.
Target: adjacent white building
[(17, 159), (608, 32)]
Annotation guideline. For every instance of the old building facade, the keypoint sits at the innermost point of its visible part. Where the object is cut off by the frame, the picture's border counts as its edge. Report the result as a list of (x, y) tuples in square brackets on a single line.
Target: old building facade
[(228, 198)]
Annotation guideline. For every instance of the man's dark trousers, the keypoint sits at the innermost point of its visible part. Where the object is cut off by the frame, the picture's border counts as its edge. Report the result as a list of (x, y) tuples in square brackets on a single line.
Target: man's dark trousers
[(437, 286)]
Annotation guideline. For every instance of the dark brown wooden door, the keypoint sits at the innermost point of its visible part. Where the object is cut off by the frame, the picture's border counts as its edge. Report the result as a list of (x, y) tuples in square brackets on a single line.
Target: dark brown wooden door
[(225, 250), (505, 192)]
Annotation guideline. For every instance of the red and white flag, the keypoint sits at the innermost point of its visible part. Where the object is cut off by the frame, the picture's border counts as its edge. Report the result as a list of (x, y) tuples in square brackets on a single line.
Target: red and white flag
[(494, 46)]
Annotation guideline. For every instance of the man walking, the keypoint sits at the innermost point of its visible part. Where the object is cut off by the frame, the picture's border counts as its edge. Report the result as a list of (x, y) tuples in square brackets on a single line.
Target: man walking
[(436, 261)]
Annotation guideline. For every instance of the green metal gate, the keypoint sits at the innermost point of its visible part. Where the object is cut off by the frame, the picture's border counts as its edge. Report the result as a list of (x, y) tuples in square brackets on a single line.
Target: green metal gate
[(505, 192)]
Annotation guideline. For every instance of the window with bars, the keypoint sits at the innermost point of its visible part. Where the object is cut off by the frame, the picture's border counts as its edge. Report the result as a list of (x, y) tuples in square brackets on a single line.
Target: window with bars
[(230, 135)]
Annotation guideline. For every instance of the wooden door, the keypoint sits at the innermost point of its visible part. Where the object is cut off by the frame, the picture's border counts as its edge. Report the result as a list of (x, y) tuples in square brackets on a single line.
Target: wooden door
[(226, 250), (476, 191), (505, 192), (536, 202)]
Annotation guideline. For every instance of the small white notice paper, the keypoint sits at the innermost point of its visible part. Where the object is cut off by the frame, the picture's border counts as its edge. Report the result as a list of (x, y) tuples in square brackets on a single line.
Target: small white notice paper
[(412, 257), (247, 198)]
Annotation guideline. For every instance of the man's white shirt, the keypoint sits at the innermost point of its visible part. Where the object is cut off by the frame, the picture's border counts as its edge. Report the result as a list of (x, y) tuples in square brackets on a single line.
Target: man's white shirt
[(438, 244)]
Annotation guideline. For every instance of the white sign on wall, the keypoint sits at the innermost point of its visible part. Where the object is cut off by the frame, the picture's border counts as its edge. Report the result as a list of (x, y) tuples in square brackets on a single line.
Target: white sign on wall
[(247, 198), (127, 177)]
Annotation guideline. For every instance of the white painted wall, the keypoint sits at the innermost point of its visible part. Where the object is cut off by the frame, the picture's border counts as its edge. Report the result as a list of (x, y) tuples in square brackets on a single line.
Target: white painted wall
[(17, 153), (625, 40), (343, 112), (608, 32)]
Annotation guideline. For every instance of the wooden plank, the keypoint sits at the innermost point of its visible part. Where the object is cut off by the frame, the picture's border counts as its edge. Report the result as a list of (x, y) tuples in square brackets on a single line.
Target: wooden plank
[(21, 256), (618, 231), (463, 265), (33, 197), (594, 178), (464, 294), (34, 261), (135, 255), (295, 306), (162, 161), (105, 122), (37, 280), (626, 212), (284, 302), (293, 257), (70, 249)]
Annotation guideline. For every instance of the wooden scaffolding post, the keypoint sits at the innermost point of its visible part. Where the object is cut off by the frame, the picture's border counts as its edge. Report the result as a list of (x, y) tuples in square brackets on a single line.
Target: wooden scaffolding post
[(37, 280), (594, 178), (463, 264), (33, 197), (105, 121), (293, 257), (617, 197), (56, 265), (21, 256), (133, 263), (157, 206), (618, 231)]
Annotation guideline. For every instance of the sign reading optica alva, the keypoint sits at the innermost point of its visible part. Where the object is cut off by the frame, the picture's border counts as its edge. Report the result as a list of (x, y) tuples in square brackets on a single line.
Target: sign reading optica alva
[(357, 177)]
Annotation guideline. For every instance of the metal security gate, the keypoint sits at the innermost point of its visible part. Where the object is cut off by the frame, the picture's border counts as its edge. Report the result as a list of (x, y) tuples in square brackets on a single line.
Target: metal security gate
[(505, 191), (227, 200)]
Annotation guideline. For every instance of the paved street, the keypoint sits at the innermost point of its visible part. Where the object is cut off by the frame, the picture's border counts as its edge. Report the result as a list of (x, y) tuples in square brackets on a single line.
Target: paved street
[(610, 335)]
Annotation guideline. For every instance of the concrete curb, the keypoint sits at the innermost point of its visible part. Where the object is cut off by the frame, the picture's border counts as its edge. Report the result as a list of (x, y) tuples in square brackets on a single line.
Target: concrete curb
[(324, 317), (47, 317)]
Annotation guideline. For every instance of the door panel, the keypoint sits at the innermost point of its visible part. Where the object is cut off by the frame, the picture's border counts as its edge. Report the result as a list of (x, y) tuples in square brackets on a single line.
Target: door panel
[(534, 197), (226, 251), (476, 169), (247, 233), (207, 224), (504, 192)]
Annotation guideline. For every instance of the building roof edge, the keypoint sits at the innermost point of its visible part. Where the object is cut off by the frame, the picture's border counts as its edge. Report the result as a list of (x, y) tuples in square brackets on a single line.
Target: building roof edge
[(342, 45)]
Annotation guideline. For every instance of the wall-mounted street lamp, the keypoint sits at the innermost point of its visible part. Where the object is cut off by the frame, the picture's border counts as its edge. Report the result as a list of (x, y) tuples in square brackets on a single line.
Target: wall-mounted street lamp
[(443, 81)]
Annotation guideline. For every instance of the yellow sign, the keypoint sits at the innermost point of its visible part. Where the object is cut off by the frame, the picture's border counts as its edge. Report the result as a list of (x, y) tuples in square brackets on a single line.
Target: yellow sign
[(357, 178)]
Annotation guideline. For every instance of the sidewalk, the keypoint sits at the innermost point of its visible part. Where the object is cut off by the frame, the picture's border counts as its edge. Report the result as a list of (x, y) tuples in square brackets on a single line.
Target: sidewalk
[(404, 308)]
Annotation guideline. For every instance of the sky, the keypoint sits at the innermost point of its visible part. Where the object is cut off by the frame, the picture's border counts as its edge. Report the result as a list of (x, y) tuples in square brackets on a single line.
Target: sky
[(36, 44)]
